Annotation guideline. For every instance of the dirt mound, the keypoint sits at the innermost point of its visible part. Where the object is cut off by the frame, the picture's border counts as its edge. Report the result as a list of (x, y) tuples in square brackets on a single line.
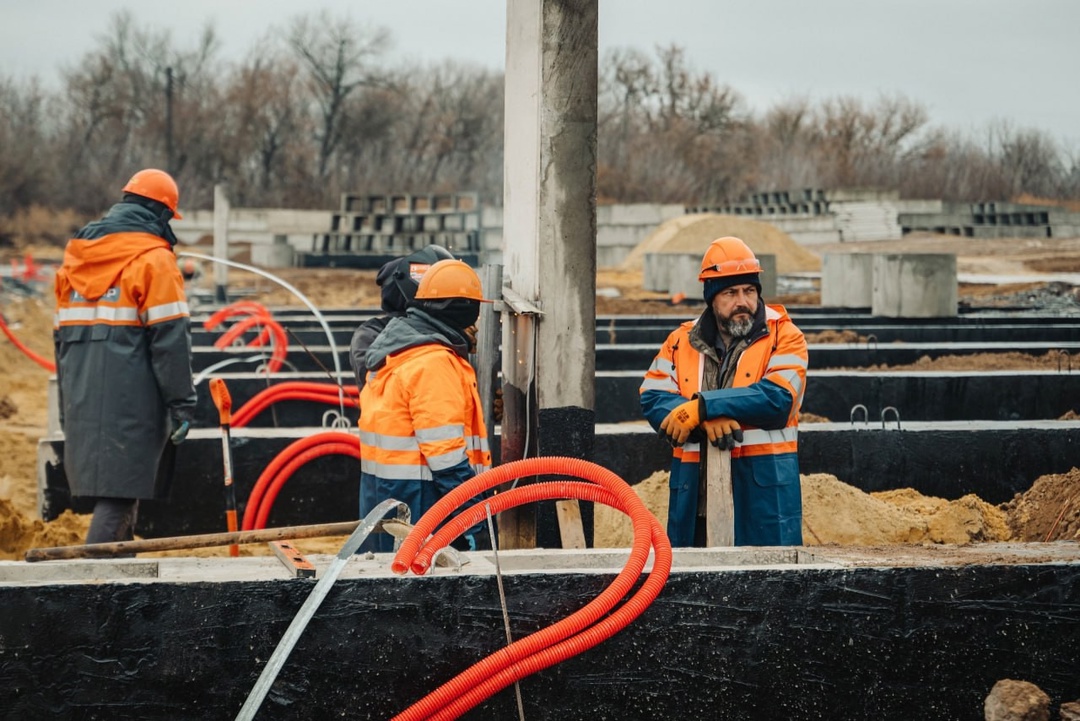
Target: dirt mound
[(19, 533), (693, 233), (1049, 510), (837, 513)]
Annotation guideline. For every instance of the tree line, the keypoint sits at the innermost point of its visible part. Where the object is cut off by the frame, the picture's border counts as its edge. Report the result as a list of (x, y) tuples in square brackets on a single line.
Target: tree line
[(315, 110)]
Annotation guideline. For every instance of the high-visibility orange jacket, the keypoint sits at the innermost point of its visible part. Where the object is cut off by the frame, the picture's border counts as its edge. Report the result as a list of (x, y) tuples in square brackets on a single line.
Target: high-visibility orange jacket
[(123, 355), (422, 430), (760, 384)]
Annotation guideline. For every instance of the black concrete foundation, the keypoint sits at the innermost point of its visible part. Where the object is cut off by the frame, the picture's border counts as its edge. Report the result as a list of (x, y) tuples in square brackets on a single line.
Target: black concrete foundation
[(918, 396), (886, 643), (947, 460)]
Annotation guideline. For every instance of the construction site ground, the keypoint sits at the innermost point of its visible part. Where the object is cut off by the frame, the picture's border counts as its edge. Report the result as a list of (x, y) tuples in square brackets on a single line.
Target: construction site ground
[(902, 525)]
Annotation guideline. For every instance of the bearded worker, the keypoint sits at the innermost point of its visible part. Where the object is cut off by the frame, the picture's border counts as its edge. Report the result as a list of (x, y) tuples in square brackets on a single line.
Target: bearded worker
[(733, 378)]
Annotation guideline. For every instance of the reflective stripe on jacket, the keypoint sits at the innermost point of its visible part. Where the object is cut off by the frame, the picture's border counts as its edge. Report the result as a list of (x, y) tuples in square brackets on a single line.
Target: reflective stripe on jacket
[(421, 413), (764, 395), (123, 355)]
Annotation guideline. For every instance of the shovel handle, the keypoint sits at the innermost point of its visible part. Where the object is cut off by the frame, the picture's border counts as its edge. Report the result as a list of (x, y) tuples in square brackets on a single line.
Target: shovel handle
[(220, 393)]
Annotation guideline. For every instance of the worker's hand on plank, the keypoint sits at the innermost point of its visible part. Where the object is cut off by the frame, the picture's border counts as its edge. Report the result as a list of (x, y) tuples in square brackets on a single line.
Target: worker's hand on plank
[(723, 432)]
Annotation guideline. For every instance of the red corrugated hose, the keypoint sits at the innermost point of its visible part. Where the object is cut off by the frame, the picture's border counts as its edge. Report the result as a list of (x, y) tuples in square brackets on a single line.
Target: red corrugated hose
[(279, 470), (572, 635)]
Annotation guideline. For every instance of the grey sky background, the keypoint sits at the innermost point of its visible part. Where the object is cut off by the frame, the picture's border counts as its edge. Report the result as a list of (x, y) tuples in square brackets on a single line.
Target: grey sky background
[(969, 62)]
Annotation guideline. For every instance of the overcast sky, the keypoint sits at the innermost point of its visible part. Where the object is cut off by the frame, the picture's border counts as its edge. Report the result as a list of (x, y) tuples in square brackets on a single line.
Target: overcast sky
[(969, 62)]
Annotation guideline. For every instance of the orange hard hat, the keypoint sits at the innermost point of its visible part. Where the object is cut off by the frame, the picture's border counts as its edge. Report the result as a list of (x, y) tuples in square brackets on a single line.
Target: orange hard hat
[(450, 279), (728, 256), (156, 185)]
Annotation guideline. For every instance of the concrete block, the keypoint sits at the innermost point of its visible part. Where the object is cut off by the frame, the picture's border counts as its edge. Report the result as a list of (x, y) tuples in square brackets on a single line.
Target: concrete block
[(914, 285), (277, 255), (847, 280)]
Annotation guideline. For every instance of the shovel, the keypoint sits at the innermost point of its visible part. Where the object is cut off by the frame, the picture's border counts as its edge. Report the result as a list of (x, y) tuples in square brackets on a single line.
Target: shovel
[(220, 393)]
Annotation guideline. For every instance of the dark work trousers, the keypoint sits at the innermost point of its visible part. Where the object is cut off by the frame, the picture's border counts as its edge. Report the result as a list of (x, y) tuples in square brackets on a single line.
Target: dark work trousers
[(114, 520)]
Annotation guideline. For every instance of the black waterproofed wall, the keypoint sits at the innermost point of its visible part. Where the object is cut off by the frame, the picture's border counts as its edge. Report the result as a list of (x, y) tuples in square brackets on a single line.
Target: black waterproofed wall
[(868, 643)]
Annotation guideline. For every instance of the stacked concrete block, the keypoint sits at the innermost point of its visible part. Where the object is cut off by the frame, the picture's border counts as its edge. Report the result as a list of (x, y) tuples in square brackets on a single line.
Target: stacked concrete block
[(813, 215), (398, 224), (994, 220)]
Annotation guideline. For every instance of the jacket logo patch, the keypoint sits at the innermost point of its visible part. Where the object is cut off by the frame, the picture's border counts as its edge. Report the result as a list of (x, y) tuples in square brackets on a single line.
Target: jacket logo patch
[(112, 294)]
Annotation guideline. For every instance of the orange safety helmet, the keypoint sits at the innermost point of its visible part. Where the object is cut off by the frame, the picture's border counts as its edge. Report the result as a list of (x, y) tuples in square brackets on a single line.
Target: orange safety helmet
[(450, 279), (156, 185), (728, 256)]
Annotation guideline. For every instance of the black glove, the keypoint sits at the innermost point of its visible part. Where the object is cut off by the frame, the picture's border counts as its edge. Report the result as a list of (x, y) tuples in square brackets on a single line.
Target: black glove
[(179, 430)]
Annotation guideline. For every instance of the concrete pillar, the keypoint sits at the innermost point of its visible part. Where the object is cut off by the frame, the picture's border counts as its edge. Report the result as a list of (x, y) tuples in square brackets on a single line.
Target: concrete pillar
[(221, 243), (847, 280), (550, 231), (768, 275), (914, 285)]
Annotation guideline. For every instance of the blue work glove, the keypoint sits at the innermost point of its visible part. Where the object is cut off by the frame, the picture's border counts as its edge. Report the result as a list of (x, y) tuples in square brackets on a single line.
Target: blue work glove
[(179, 430)]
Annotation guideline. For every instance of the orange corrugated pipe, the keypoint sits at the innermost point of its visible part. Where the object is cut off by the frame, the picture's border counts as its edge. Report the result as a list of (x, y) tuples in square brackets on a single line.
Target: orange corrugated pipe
[(40, 360), (275, 466), (292, 391), (256, 314), (481, 683), (279, 341), (569, 636), (323, 449)]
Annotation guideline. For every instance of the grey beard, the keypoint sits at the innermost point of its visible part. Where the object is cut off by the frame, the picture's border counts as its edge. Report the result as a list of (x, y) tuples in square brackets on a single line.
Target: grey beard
[(737, 328)]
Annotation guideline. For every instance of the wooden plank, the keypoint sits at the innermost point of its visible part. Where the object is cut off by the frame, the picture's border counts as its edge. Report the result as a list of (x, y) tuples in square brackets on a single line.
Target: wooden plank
[(570, 527), (719, 503)]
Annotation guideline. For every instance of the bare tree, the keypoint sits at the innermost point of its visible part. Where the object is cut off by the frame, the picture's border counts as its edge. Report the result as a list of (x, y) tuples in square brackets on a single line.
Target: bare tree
[(26, 177), (339, 58)]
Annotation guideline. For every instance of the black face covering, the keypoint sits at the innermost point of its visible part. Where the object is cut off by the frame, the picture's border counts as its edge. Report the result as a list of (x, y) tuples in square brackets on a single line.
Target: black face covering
[(457, 313)]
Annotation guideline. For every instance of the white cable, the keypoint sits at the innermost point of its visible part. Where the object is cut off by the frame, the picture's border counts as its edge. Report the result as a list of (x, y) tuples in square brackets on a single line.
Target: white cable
[(303, 298)]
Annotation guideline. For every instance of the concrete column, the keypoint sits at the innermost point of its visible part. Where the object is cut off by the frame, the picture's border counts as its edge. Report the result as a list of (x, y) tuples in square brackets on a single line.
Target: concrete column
[(915, 285), (847, 280), (550, 232), (221, 243)]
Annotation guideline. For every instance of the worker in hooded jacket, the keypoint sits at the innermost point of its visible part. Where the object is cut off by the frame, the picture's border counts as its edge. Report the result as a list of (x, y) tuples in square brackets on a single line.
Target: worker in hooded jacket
[(422, 430), (398, 280), (123, 355), (734, 377)]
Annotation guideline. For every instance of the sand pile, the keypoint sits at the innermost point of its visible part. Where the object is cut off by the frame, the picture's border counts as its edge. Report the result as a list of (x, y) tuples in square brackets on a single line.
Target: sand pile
[(837, 513), (693, 233)]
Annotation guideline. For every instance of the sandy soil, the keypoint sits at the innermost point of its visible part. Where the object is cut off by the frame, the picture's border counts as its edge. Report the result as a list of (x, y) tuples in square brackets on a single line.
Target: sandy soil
[(1050, 510)]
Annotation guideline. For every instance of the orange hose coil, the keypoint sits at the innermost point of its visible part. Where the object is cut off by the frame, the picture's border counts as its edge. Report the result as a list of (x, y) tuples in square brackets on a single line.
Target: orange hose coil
[(257, 314), (569, 636), (292, 390), (294, 463), (276, 466)]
